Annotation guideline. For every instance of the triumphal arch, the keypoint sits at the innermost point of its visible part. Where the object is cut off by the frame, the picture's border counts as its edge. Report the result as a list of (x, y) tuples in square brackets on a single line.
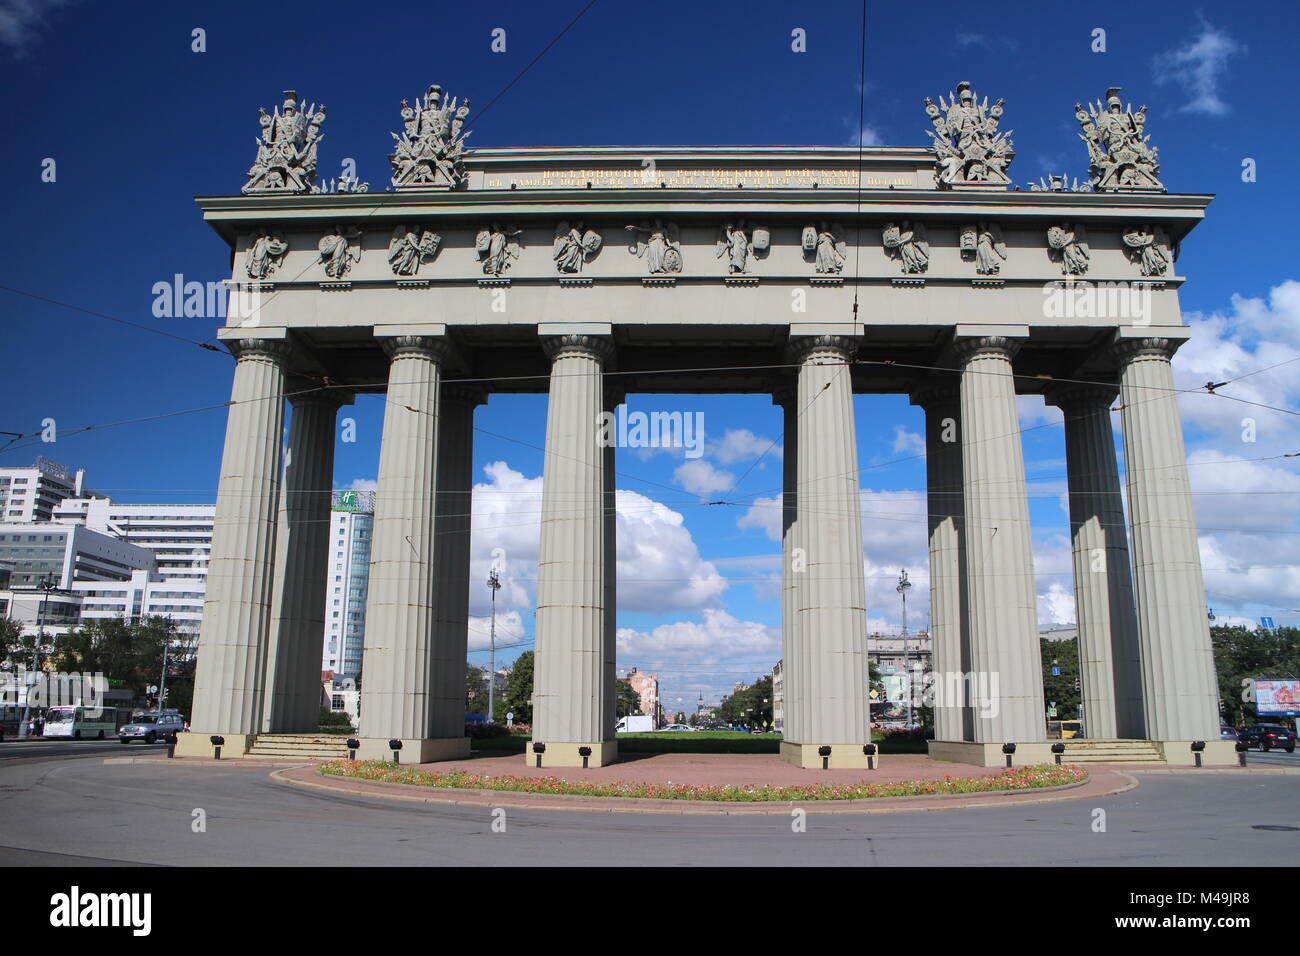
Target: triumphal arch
[(809, 274)]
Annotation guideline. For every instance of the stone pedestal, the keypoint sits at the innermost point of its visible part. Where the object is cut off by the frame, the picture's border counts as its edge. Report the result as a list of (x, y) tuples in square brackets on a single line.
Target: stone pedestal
[(398, 695), (302, 562), (1109, 659), (1180, 689), (573, 677), (949, 632), (230, 682), (831, 597), (999, 556)]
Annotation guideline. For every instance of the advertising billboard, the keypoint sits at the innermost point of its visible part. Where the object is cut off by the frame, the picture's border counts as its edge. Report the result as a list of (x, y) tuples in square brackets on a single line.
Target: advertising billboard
[(1277, 698)]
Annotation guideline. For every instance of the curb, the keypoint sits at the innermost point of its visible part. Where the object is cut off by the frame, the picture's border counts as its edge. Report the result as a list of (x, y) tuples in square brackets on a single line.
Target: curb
[(575, 802)]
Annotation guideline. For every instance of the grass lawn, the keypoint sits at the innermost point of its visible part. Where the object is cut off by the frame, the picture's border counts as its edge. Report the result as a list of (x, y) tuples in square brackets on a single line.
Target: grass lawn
[(692, 742)]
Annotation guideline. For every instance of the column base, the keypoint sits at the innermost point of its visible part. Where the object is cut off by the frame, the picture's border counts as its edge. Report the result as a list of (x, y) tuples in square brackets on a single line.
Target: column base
[(990, 755), (415, 749), (603, 753), (842, 756), (1217, 753), (196, 744)]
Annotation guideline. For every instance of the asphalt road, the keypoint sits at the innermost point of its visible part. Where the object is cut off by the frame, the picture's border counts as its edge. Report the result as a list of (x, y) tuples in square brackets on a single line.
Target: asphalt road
[(29, 749), (66, 810)]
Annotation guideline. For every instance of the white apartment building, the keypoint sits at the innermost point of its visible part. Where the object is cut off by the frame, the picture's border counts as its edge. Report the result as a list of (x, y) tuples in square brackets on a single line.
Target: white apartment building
[(32, 493), (352, 518)]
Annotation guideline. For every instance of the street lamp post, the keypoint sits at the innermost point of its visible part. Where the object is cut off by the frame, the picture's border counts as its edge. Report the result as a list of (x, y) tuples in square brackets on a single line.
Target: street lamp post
[(494, 585), (904, 586), (25, 726)]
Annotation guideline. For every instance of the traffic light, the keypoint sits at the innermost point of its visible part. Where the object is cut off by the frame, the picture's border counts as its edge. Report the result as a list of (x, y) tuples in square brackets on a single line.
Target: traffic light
[(1078, 684)]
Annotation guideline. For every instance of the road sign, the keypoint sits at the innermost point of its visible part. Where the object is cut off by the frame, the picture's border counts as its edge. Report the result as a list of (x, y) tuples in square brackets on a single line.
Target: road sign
[(153, 688), (1051, 712), (1056, 672)]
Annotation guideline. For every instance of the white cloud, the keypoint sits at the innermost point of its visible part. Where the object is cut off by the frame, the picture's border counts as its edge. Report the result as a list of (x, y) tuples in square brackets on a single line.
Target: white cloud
[(908, 442), (21, 22), (740, 444), (764, 514), (363, 484), (701, 478), (659, 564), (1199, 67), (866, 134)]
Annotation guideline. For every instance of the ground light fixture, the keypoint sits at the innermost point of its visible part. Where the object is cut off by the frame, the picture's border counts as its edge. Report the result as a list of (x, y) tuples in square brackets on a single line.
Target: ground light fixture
[(1057, 750), (353, 746), (395, 746), (584, 753), (171, 748), (1009, 749), (870, 751), (1197, 747), (217, 743), (825, 753), (1242, 747), (539, 749)]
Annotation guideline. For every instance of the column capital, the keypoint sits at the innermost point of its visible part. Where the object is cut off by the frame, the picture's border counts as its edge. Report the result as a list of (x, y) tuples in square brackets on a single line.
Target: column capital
[(937, 391), (1002, 346), (803, 347), (1131, 350), (1081, 394), (279, 351), (784, 394), (464, 393), (426, 346), (600, 346), (302, 391)]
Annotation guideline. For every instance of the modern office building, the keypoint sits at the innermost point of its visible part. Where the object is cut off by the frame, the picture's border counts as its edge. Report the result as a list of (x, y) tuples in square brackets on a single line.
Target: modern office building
[(32, 493), (352, 515)]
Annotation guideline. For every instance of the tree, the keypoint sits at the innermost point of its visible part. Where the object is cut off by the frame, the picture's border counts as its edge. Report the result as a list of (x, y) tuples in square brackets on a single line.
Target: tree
[(1062, 687), (475, 689), (129, 652), (1242, 656), (11, 633), (626, 700), (518, 697)]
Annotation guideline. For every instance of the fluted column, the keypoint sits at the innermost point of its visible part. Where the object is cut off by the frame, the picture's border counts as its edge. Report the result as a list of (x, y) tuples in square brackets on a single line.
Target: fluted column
[(572, 677), (302, 562), (229, 686), (949, 632), (999, 554), (1179, 683), (793, 568), (452, 556), (397, 679), (1109, 658), (831, 608)]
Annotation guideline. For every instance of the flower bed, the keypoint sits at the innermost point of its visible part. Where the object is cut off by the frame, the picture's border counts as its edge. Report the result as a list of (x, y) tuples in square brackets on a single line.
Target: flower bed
[(1019, 778)]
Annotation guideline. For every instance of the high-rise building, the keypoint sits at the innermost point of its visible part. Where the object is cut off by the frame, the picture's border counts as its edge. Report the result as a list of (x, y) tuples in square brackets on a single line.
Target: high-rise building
[(352, 518)]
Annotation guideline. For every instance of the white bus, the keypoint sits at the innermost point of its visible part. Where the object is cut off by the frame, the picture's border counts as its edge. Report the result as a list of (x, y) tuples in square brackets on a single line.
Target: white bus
[(78, 722)]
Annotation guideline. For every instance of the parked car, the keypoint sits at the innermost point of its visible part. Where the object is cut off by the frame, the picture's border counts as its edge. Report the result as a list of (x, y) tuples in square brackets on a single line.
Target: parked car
[(677, 727), (1268, 737), (152, 727), (1227, 733)]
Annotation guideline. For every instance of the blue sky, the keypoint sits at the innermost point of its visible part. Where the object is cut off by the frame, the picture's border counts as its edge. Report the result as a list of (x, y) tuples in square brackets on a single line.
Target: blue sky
[(138, 124)]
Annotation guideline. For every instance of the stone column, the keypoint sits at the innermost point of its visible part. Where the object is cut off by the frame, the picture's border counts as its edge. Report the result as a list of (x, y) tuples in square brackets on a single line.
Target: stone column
[(999, 554), (397, 669), (572, 678), (1109, 659), (793, 568), (831, 609), (452, 556), (1180, 689), (949, 630), (229, 685), (302, 562)]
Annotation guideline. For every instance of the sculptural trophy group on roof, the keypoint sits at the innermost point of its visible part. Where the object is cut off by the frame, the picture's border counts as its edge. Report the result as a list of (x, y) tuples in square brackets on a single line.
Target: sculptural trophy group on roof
[(431, 149), (969, 152)]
